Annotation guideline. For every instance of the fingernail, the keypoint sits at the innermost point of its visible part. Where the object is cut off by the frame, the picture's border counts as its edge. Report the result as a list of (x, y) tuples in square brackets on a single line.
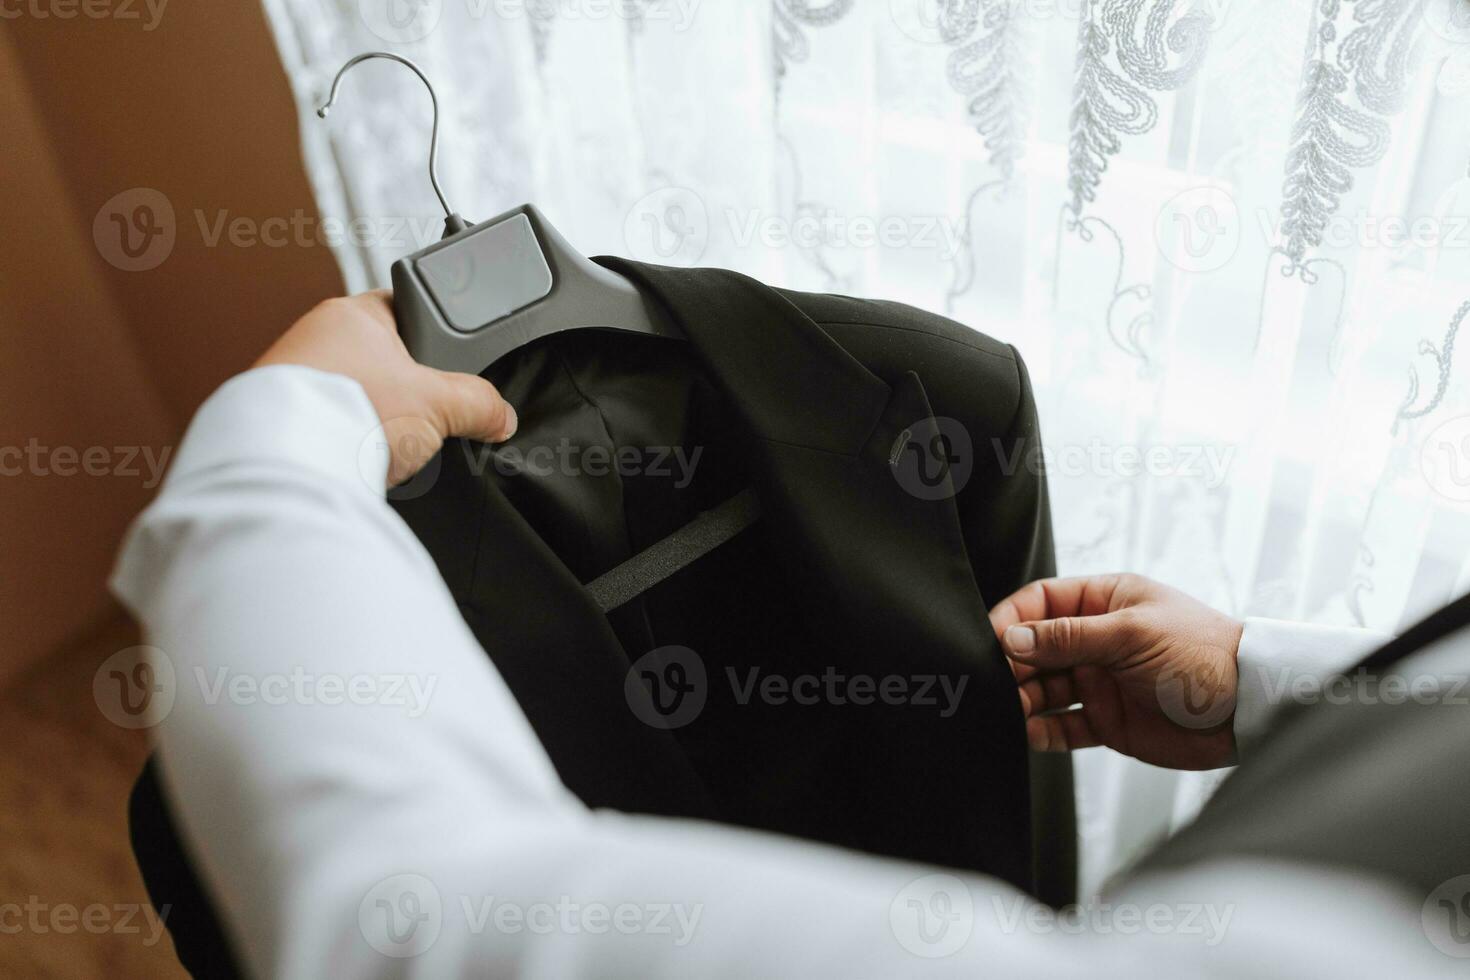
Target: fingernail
[(512, 421), (1020, 640)]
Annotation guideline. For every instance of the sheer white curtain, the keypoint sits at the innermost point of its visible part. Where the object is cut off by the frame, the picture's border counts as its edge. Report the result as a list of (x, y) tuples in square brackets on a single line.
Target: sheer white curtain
[(1231, 238)]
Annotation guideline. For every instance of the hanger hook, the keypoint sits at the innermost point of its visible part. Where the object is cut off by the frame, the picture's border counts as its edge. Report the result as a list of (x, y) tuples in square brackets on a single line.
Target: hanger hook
[(451, 218)]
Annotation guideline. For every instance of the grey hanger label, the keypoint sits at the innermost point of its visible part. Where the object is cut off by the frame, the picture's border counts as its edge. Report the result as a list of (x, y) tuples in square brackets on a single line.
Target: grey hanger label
[(487, 274)]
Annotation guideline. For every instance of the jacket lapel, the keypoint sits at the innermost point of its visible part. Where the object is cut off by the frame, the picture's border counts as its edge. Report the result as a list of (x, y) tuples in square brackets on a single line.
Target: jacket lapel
[(550, 642)]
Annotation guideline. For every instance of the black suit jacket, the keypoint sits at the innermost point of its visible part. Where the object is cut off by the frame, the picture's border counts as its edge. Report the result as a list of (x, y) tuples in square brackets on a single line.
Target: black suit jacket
[(883, 535)]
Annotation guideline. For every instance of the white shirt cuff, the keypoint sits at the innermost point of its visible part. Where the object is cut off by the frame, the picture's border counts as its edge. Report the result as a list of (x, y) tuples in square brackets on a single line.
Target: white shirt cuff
[(288, 414), (1281, 661)]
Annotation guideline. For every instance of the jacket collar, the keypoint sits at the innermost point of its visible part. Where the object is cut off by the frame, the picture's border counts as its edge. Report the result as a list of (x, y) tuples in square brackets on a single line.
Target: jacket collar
[(792, 383)]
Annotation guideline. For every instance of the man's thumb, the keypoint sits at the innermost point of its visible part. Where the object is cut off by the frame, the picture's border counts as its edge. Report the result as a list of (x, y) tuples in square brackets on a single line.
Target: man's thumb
[(471, 408), (1069, 641)]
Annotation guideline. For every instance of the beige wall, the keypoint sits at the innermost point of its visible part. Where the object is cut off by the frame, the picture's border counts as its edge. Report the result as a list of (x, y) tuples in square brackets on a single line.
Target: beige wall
[(70, 376), (94, 356)]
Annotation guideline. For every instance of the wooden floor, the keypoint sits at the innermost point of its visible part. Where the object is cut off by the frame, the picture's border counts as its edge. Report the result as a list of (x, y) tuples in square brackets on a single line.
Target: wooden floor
[(67, 878)]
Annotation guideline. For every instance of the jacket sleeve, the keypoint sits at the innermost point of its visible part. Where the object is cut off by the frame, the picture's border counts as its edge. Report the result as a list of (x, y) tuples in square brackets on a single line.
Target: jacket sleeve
[(1007, 516), (1007, 508)]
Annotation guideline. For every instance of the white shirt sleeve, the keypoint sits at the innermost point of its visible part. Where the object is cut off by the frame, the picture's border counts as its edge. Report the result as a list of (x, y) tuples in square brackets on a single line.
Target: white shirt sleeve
[(1282, 661), (364, 798)]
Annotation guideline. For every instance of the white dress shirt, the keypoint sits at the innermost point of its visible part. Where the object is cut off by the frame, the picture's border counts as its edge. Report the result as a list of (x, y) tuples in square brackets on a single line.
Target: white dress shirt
[(364, 797)]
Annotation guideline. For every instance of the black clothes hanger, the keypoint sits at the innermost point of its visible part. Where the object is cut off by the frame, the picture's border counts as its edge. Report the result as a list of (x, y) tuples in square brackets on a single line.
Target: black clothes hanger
[(487, 289)]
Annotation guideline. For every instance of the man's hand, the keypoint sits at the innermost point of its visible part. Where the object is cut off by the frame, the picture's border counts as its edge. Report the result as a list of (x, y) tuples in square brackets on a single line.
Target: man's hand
[(419, 406), (1153, 670)]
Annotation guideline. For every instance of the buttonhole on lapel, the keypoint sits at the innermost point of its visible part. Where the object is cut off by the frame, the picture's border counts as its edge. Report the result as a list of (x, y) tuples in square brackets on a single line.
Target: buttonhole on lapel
[(898, 444)]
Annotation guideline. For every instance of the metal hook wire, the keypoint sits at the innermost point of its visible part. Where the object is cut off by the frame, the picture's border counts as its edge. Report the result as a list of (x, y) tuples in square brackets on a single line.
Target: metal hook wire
[(433, 138)]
